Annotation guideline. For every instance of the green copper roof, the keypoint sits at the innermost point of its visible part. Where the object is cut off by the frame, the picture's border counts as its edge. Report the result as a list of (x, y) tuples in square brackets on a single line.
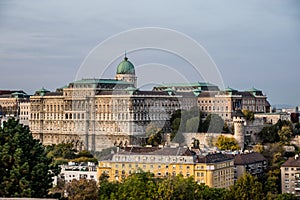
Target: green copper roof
[(125, 67), (197, 84), (42, 91), (131, 89), (229, 89), (253, 89)]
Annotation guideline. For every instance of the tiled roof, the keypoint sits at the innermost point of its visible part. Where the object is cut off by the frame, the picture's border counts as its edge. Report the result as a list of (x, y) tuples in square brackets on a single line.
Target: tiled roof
[(246, 94), (213, 158), (292, 162), (248, 158), (54, 94), (208, 94), (166, 151), (138, 149)]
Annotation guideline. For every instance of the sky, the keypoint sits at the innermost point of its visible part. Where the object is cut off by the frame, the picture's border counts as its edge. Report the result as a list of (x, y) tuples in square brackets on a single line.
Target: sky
[(252, 43)]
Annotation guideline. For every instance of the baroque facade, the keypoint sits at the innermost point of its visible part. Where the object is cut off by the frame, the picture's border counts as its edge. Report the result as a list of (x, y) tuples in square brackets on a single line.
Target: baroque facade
[(226, 103), (10, 101), (98, 113), (95, 114)]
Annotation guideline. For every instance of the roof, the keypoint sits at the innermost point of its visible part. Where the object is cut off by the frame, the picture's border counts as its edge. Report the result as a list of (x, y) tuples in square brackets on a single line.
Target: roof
[(292, 162), (229, 89), (8, 92), (208, 94), (246, 94), (125, 67), (100, 81), (54, 94), (253, 89), (213, 158), (134, 92), (166, 151), (196, 84), (139, 149), (248, 158), (42, 91)]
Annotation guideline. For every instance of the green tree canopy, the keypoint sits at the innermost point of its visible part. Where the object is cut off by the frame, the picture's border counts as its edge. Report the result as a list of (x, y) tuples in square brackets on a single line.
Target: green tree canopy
[(145, 186), (285, 134), (82, 189), (247, 187), (286, 197), (24, 166), (226, 143), (249, 115)]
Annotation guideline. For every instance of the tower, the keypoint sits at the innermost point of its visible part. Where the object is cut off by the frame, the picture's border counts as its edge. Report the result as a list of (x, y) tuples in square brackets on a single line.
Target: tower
[(239, 128), (126, 72)]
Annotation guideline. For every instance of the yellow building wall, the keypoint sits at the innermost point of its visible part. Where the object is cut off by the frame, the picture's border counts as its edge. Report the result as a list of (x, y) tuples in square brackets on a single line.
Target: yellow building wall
[(117, 170), (220, 175)]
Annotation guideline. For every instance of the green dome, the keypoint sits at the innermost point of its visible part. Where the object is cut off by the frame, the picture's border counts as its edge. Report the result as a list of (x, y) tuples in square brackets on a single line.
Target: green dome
[(125, 67)]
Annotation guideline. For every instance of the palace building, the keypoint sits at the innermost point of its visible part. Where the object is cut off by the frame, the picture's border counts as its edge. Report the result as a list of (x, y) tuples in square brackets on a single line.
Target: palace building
[(98, 113), (95, 114), (10, 101), (225, 103)]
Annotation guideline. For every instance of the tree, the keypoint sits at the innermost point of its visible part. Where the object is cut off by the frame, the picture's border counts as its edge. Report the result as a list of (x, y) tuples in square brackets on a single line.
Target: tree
[(154, 135), (24, 166), (226, 128), (151, 129), (269, 135), (226, 143), (62, 150), (249, 115), (286, 197), (258, 148), (82, 189), (138, 186), (247, 187), (285, 134), (155, 139), (107, 189)]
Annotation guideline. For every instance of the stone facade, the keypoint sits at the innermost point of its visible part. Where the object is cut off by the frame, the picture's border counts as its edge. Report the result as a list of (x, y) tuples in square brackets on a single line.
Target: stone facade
[(99, 113), (225, 103), (95, 114), (272, 118), (10, 102), (24, 113)]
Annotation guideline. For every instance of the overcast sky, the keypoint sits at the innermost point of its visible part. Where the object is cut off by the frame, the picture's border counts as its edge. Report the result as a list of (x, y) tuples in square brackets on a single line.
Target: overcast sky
[(253, 43)]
